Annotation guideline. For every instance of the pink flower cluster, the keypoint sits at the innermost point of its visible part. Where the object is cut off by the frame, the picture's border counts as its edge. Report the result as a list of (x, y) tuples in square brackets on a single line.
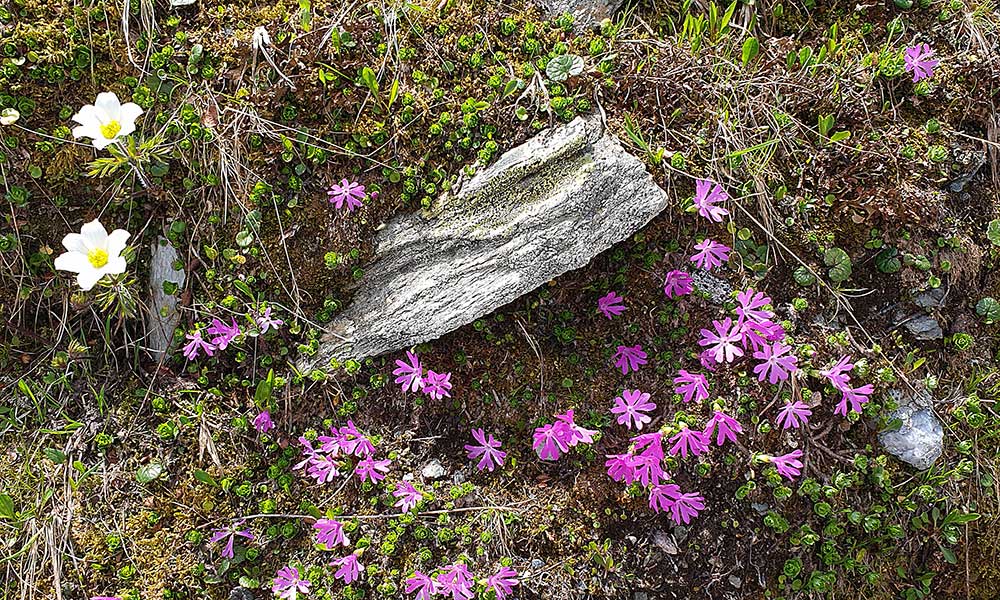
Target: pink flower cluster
[(335, 451), (555, 439), (410, 376), (456, 580), (755, 332), (644, 464), (222, 334), (839, 376)]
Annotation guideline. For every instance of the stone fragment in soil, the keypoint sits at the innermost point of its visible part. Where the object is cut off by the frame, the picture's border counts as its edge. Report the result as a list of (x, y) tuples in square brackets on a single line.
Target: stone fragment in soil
[(163, 316), (920, 440), (544, 208), (433, 470), (587, 14), (719, 291)]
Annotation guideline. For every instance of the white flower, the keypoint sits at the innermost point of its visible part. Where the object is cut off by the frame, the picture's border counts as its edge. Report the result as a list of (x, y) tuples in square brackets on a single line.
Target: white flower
[(93, 253), (9, 116), (106, 120)]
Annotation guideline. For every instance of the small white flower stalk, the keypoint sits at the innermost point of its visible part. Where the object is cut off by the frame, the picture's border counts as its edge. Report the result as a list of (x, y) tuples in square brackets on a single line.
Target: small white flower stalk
[(107, 120), (260, 41), (93, 253)]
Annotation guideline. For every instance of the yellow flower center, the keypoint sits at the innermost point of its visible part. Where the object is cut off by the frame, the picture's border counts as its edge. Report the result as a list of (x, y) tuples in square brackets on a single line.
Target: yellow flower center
[(98, 258), (110, 129)]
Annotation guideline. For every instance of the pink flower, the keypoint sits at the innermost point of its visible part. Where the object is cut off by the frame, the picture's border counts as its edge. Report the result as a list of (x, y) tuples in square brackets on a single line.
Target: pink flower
[(551, 440), (663, 495), (288, 584), (346, 440), (577, 434), (105, 598), (350, 192), (631, 407), (689, 441), (436, 385), (776, 362), (409, 375), (756, 335), (620, 467), (330, 533), (677, 283), (266, 322), (838, 374), (723, 342), (307, 452), (323, 468), (502, 582), (369, 469), (710, 254), (856, 397), (724, 426), (408, 496), (262, 422), (751, 306), (349, 569), (224, 334), (610, 305), (917, 60), (488, 449), (456, 580), (629, 357), (191, 349), (686, 507), (706, 197), (421, 584), (692, 386), (647, 465), (793, 415), (788, 465), (707, 360), (229, 534)]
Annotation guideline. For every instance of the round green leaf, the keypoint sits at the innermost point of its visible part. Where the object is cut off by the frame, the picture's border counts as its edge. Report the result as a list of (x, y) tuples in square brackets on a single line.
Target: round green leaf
[(839, 263), (563, 67), (989, 309)]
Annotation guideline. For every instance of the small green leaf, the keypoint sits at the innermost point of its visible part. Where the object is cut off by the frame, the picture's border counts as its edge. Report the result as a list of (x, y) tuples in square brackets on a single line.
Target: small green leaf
[(54, 455), (393, 92), (149, 472), (205, 478), (368, 78), (989, 309), (803, 277), (563, 67), (6, 507), (839, 263), (264, 390), (751, 47), (887, 261), (993, 232)]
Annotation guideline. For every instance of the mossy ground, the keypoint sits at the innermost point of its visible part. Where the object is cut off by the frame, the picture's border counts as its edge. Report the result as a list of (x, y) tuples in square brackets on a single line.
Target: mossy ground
[(238, 185)]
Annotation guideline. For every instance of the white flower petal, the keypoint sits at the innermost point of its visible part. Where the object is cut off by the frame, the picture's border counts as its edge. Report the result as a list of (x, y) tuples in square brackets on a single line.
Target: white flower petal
[(74, 242), (74, 262), (116, 266), (87, 279), (129, 113), (100, 142), (116, 242), (87, 116), (86, 131), (95, 235), (109, 103)]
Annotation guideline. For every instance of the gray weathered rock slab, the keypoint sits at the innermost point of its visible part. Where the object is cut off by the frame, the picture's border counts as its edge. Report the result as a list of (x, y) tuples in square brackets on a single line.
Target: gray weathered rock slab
[(546, 207), (163, 316), (920, 440), (586, 13)]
